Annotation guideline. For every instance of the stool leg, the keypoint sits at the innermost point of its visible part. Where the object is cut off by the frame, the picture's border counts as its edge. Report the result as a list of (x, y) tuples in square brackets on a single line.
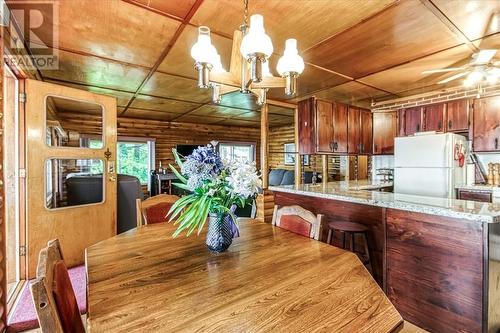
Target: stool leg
[(352, 242), (329, 238), (343, 240), (367, 251)]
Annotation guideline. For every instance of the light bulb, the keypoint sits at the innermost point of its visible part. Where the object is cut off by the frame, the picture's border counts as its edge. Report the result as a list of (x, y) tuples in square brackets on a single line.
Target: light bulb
[(474, 77), (256, 42), (203, 51), (290, 62)]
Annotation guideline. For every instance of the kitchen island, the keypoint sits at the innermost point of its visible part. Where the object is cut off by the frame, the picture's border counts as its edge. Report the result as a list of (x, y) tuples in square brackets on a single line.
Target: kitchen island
[(437, 259)]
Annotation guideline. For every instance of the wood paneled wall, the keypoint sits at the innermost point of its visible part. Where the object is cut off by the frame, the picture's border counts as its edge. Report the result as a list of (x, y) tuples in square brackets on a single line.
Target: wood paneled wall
[(167, 134), (278, 136)]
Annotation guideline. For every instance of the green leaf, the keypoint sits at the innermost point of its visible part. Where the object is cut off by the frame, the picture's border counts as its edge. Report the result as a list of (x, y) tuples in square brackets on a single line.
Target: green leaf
[(178, 174), (182, 186), (204, 215), (179, 205), (177, 157)]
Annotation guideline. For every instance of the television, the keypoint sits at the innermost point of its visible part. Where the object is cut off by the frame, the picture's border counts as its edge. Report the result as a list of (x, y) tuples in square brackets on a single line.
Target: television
[(186, 150)]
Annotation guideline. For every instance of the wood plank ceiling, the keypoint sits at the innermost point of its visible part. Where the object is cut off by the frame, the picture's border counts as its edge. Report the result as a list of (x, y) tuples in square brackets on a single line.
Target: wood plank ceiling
[(355, 50)]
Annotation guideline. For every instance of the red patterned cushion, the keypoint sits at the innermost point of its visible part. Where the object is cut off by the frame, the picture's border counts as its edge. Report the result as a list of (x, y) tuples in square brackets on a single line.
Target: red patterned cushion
[(66, 300), (158, 212), (296, 224)]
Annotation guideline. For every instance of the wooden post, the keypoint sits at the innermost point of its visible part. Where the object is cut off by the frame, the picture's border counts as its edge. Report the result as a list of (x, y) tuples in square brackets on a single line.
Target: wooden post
[(298, 164), (264, 145), (324, 164)]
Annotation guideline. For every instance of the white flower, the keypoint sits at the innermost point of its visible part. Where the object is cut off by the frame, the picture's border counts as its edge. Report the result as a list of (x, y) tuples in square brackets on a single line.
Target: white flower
[(243, 179)]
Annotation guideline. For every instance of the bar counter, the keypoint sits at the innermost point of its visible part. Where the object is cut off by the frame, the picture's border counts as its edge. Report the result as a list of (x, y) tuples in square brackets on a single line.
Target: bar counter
[(437, 259)]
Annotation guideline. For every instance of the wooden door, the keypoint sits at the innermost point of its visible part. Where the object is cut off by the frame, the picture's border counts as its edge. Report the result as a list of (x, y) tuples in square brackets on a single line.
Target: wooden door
[(305, 121), (324, 127), (384, 132), (340, 128), (82, 225), (434, 117), (413, 120), (457, 116), (486, 124), (353, 129), (366, 131)]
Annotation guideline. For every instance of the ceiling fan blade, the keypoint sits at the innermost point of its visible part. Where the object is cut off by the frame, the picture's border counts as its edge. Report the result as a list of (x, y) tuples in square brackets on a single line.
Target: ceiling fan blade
[(453, 77), (443, 70), (483, 56)]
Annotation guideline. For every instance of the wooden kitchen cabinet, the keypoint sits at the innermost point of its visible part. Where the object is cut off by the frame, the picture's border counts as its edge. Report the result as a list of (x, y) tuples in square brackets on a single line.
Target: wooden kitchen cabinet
[(384, 131), (457, 116), (413, 120), (305, 122), (481, 196), (340, 127), (353, 130), (324, 127), (434, 117), (366, 128), (486, 124)]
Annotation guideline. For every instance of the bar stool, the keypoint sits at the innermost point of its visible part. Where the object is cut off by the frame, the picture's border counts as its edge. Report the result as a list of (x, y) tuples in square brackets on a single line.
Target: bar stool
[(352, 229)]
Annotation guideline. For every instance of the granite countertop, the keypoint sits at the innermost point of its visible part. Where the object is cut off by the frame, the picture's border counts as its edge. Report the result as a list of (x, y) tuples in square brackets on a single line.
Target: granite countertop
[(362, 192), (478, 187)]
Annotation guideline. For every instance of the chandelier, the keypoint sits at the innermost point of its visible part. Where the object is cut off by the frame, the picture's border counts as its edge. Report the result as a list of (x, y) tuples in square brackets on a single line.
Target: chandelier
[(249, 67)]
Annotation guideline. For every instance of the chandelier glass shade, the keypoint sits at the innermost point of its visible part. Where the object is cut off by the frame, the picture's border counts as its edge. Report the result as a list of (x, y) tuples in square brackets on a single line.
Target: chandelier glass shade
[(256, 41), (290, 62)]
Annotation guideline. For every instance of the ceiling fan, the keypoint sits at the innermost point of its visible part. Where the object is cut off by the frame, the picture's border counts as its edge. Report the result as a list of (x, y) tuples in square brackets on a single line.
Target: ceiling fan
[(481, 69)]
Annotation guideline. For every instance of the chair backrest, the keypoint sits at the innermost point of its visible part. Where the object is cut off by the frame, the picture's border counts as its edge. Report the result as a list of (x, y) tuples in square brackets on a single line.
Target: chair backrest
[(154, 209), (298, 220), (53, 295)]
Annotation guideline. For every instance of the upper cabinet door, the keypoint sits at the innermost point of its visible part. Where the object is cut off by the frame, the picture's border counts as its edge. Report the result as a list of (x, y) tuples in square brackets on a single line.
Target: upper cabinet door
[(486, 124), (324, 127), (353, 128), (340, 128), (434, 117), (366, 131), (305, 126), (384, 131), (457, 116), (413, 120)]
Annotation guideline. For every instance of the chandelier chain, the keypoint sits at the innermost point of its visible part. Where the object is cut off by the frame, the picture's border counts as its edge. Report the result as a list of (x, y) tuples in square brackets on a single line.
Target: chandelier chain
[(245, 13)]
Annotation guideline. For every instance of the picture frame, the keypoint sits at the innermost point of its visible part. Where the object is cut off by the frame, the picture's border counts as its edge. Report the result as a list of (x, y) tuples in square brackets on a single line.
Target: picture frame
[(289, 155)]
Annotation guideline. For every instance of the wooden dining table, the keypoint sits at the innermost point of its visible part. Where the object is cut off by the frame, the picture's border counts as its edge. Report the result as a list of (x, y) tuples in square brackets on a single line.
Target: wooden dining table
[(270, 280)]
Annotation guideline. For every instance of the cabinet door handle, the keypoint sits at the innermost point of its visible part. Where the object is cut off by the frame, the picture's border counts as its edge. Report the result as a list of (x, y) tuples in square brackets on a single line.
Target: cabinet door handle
[(496, 143), (336, 145), (440, 126), (449, 124), (418, 127), (376, 148), (330, 145)]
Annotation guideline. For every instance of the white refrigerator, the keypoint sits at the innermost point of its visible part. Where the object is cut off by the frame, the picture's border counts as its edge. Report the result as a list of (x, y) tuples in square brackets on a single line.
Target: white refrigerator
[(428, 164)]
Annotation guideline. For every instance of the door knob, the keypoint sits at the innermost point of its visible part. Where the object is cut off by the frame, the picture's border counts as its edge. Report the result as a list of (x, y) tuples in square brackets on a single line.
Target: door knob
[(112, 178)]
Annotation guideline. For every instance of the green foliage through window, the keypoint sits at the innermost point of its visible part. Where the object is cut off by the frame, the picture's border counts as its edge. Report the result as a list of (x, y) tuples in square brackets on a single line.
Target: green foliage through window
[(133, 159)]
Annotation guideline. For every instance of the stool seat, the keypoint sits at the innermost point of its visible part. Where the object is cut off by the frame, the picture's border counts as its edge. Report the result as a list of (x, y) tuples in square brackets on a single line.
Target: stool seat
[(351, 229), (347, 226)]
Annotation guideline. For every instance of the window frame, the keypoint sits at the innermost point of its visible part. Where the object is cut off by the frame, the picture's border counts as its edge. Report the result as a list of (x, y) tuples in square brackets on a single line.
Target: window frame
[(253, 144)]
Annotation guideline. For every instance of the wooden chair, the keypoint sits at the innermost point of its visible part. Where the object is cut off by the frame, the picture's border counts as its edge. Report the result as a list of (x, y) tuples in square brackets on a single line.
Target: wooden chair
[(154, 209), (298, 220), (53, 295)]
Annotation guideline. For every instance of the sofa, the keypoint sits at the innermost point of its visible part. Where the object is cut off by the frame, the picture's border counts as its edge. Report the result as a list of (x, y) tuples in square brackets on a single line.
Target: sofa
[(279, 177)]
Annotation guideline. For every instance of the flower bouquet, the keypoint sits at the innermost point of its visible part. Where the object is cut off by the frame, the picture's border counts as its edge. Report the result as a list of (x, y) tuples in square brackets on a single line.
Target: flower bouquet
[(217, 187)]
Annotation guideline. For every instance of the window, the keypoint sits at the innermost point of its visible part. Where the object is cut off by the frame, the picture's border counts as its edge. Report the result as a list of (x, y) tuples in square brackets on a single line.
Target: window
[(237, 151), (136, 157), (133, 159)]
